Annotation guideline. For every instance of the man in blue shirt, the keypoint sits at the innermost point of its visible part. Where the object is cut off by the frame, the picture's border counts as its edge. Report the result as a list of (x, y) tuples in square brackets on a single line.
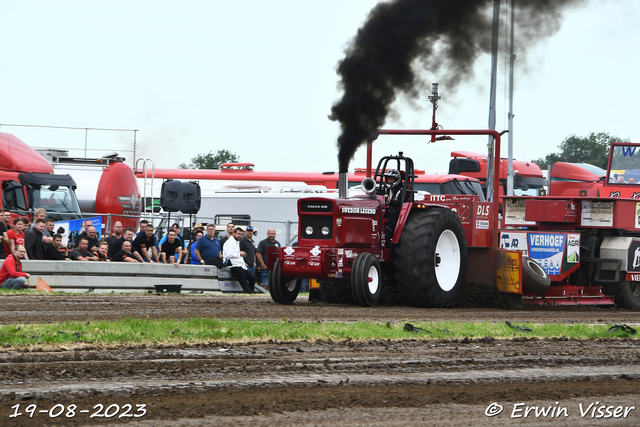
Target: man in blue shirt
[(208, 248)]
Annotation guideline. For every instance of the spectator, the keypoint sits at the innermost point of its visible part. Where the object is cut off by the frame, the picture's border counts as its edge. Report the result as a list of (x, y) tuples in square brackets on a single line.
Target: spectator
[(33, 240), (192, 259), (86, 224), (103, 250), (230, 228), (127, 236), (11, 275), (176, 228), (125, 254), (262, 257), (117, 233), (172, 249), (40, 213), (15, 237), (143, 227), (238, 268), (196, 227), (5, 217), (248, 246), (208, 248), (50, 228), (55, 251), (81, 253), (94, 243), (143, 242)]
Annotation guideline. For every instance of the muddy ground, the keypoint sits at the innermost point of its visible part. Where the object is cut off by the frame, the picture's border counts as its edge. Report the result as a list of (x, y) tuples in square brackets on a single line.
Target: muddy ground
[(411, 382)]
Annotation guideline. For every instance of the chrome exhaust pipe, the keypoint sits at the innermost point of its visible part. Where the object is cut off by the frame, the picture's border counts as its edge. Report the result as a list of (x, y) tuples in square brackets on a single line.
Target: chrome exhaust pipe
[(368, 185), (343, 185)]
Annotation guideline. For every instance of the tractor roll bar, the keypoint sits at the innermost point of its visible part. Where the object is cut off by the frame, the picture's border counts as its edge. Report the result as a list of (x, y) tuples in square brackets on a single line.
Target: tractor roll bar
[(433, 132)]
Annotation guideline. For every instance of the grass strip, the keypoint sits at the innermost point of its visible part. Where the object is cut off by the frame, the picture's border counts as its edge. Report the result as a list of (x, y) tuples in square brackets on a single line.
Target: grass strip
[(134, 331)]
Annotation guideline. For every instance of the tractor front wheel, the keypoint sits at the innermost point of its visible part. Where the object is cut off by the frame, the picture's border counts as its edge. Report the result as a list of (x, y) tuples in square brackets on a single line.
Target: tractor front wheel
[(283, 290), (366, 280), (431, 259)]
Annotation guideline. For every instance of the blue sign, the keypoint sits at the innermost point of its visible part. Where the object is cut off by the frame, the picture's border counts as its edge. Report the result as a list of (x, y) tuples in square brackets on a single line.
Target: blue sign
[(547, 249), (76, 226)]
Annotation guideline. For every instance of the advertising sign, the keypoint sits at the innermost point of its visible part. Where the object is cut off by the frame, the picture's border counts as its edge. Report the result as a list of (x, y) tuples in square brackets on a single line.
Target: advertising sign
[(548, 250), (70, 229)]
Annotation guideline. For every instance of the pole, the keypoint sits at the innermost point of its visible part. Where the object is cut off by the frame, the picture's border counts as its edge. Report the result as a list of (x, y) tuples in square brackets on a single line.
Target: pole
[(512, 60), (492, 97)]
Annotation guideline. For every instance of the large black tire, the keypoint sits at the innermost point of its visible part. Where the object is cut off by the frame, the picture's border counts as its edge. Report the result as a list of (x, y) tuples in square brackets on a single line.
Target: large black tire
[(336, 290), (366, 280), (534, 278), (283, 290), (431, 259), (627, 294)]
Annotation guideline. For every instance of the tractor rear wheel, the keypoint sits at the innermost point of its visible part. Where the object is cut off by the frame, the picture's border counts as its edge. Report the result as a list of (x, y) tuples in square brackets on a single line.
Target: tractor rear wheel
[(283, 290), (534, 278), (336, 290), (366, 280), (431, 259)]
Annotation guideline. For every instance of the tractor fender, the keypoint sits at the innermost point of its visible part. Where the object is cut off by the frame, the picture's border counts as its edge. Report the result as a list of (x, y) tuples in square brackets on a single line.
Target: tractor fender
[(404, 214)]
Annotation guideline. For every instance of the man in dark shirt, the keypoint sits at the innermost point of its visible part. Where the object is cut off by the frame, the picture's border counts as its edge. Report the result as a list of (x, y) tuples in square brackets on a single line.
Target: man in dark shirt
[(171, 248), (33, 241), (86, 224), (208, 248), (124, 254), (81, 253), (117, 233), (144, 242), (52, 251), (248, 246), (261, 254), (223, 239)]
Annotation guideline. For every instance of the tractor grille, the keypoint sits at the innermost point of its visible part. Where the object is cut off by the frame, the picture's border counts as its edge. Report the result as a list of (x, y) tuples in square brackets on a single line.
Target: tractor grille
[(317, 223)]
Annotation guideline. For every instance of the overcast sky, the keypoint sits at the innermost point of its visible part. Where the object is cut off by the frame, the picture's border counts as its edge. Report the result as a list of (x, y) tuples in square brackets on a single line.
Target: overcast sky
[(258, 78)]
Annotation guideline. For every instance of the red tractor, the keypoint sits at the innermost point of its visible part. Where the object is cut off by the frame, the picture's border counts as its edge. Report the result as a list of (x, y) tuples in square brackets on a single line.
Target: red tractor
[(429, 245)]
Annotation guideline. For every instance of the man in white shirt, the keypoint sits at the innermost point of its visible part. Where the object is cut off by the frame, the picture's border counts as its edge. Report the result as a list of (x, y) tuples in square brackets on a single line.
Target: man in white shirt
[(232, 252)]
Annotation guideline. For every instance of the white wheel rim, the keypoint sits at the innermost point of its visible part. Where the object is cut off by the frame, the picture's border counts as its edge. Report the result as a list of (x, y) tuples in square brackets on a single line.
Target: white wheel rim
[(447, 260), (291, 285), (373, 280)]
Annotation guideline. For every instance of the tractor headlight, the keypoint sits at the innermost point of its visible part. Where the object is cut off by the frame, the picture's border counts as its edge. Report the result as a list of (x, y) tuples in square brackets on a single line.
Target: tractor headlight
[(325, 231), (309, 230)]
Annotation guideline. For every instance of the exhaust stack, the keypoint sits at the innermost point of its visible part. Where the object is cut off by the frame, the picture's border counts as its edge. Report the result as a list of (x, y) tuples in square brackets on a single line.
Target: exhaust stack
[(343, 185)]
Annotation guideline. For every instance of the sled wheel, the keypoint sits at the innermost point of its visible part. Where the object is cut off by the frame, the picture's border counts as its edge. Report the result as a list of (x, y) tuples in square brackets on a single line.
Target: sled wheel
[(627, 294), (282, 289), (336, 290), (431, 259), (366, 280), (534, 278)]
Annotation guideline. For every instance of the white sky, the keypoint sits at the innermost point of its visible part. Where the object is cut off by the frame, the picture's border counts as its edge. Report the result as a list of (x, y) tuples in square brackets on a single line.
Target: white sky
[(258, 78)]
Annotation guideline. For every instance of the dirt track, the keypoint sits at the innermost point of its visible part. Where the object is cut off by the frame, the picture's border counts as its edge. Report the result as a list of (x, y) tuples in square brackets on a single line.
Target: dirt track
[(411, 382)]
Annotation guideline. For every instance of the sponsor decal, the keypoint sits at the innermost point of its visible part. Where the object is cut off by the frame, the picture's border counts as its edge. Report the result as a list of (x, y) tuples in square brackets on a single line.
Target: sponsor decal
[(573, 248), (514, 241), (289, 250), (547, 249), (130, 203), (636, 196), (483, 210), (614, 194), (315, 251), (339, 222), (358, 210), (596, 214), (633, 257), (482, 224), (514, 212), (350, 254), (314, 264)]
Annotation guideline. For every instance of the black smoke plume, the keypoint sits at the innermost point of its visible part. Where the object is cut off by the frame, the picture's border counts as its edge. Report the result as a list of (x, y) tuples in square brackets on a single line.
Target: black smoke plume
[(444, 37)]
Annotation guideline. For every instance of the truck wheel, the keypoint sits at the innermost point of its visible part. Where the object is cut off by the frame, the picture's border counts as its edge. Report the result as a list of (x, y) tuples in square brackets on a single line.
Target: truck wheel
[(366, 280), (282, 289), (431, 259), (534, 278), (627, 294), (336, 291)]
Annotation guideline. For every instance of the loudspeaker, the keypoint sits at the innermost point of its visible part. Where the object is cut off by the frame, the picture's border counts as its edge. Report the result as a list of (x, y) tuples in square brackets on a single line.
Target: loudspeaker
[(180, 196)]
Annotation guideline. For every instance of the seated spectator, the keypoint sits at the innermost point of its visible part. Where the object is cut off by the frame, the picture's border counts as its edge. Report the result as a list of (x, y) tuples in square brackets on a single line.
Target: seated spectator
[(238, 267), (53, 251), (175, 227), (11, 275), (144, 242), (208, 248), (15, 237), (94, 243), (81, 253), (33, 240), (86, 224), (124, 254), (103, 250), (192, 259), (171, 249)]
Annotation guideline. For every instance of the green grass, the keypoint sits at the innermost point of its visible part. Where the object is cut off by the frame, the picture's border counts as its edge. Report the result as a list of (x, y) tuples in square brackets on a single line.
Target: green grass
[(136, 332)]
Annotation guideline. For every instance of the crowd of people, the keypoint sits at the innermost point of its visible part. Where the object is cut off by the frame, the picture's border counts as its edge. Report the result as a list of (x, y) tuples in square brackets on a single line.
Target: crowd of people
[(39, 241)]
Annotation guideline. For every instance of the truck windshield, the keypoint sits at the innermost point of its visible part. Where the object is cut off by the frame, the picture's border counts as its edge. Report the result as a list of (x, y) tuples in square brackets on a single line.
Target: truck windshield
[(625, 164), (55, 198)]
